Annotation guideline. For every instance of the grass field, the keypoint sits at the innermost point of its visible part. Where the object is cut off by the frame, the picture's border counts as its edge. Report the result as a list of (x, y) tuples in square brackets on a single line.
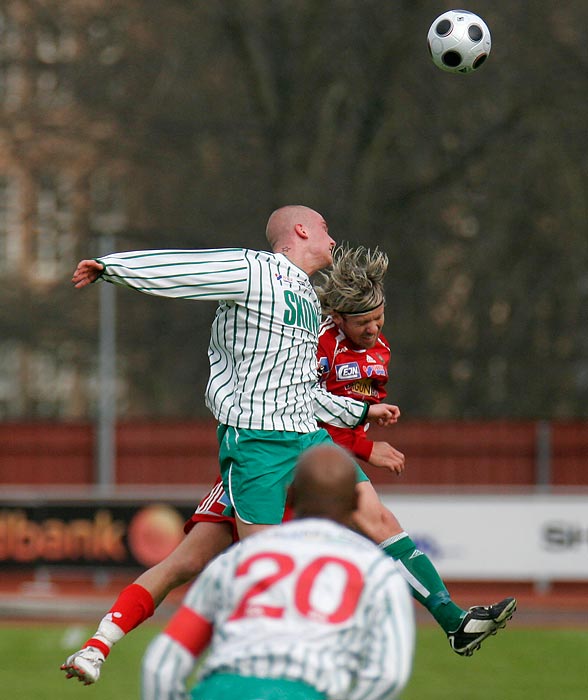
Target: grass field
[(519, 664)]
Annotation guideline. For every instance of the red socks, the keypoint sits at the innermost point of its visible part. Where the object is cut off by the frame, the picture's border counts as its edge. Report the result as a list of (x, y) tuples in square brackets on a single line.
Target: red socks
[(132, 607)]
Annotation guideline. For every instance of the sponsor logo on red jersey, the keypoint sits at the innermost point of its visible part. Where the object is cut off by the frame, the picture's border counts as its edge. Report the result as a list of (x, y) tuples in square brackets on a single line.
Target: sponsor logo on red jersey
[(378, 370), (347, 371)]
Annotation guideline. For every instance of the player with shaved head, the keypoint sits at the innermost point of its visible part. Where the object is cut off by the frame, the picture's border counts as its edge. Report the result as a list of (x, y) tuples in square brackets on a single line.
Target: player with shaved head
[(263, 391), (262, 386)]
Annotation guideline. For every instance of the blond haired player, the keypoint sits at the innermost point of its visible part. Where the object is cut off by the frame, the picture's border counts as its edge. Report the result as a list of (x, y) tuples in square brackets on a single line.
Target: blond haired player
[(353, 357), (307, 610)]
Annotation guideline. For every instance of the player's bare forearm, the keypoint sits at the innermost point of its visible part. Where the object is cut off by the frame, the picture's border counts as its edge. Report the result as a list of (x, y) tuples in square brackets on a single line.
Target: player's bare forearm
[(86, 272)]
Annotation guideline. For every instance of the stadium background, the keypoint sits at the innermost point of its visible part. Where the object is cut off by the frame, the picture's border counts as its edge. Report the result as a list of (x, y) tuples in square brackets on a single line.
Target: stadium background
[(98, 534)]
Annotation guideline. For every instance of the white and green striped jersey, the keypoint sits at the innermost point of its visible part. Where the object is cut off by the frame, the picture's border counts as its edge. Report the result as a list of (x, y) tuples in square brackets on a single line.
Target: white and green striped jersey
[(307, 601), (262, 351)]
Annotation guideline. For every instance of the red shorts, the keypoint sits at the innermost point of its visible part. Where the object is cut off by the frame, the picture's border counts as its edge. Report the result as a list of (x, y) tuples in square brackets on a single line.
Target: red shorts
[(211, 508)]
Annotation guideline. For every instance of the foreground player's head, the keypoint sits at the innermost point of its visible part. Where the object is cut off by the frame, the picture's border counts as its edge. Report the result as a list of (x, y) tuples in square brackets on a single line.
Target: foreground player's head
[(302, 235), (324, 485), (352, 292)]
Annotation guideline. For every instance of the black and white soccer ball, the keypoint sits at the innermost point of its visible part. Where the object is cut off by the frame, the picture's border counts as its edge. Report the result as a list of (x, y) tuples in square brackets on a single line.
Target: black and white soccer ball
[(459, 41)]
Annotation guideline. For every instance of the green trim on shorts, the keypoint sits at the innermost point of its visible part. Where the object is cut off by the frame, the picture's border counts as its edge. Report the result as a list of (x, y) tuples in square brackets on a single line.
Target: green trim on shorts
[(257, 467), (224, 686)]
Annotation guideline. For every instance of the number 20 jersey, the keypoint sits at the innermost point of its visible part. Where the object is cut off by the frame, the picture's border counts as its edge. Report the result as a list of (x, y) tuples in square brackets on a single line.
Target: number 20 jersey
[(312, 601)]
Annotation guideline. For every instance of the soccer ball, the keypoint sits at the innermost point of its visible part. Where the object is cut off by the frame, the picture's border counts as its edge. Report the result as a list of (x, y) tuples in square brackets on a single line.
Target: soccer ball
[(459, 41)]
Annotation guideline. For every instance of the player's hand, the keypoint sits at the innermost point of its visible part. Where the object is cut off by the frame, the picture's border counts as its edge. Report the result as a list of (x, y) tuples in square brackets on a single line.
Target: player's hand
[(385, 456), (383, 413), (86, 272)]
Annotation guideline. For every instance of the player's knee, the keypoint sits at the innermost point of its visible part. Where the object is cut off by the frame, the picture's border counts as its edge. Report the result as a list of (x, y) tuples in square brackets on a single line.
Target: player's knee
[(204, 542)]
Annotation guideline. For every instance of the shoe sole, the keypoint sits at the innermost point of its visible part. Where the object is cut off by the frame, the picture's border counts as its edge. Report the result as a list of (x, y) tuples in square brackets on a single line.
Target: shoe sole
[(499, 622), (75, 671)]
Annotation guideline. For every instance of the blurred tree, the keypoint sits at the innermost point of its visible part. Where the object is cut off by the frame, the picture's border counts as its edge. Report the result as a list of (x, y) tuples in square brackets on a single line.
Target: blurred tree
[(215, 113)]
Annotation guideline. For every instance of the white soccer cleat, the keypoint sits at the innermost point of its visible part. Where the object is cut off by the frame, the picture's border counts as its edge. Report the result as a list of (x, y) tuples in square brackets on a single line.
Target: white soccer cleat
[(84, 665)]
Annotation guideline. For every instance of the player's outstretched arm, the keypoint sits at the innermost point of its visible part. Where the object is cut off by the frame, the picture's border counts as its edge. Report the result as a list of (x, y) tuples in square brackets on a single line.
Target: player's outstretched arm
[(86, 272)]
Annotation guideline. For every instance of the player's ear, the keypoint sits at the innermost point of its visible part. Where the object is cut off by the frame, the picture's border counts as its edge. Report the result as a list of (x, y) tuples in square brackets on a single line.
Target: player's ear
[(337, 318), (353, 520), (356, 498), (300, 230)]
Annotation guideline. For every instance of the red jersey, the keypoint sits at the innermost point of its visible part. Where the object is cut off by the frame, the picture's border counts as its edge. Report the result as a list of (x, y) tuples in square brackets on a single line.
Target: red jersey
[(356, 373)]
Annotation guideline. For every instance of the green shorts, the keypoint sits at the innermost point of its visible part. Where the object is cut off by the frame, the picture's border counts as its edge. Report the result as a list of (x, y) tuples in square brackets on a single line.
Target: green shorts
[(221, 686), (257, 467)]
